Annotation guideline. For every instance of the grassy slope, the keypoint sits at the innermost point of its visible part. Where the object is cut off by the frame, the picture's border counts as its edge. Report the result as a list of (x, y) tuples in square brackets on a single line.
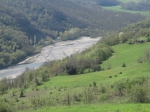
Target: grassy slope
[(118, 8), (124, 53), (101, 108)]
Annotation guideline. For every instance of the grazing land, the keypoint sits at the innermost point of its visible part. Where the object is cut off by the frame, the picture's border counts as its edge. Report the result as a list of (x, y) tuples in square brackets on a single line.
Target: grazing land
[(101, 108), (55, 90), (122, 2), (111, 76)]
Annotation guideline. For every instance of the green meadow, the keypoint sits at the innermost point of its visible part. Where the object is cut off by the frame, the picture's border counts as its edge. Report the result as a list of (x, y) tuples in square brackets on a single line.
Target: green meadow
[(123, 80), (123, 53), (118, 8), (100, 108)]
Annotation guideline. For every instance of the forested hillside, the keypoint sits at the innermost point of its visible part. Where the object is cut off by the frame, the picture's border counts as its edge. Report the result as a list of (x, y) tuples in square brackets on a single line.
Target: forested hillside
[(27, 24), (16, 35), (62, 15)]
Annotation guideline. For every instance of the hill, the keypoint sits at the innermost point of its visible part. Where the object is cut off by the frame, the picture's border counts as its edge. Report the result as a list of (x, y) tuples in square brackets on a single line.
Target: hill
[(113, 72), (28, 25), (16, 34), (131, 6)]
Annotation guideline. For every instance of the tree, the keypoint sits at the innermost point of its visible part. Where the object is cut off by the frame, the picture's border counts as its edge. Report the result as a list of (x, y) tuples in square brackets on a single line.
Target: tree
[(35, 39), (71, 66)]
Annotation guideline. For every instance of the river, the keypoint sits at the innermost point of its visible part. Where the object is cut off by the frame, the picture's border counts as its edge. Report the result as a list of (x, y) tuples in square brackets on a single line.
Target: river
[(56, 51)]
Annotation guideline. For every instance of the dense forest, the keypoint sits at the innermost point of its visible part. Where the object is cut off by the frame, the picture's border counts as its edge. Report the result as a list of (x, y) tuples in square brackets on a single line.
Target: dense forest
[(16, 34), (25, 25)]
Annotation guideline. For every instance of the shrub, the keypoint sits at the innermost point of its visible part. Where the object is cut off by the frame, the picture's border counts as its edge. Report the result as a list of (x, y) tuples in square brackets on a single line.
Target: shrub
[(120, 86), (139, 94), (148, 39), (96, 68), (123, 65), (21, 94), (77, 98), (110, 76), (115, 75), (104, 97), (94, 84), (4, 107), (102, 89), (120, 72), (140, 59)]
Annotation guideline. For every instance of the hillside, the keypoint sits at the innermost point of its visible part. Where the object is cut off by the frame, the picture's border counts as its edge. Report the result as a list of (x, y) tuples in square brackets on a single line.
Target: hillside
[(25, 25), (115, 71), (16, 34), (130, 6), (28, 25)]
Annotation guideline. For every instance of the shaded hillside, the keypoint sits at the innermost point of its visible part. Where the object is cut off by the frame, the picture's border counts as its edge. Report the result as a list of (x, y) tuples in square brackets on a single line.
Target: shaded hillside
[(62, 15), (16, 34)]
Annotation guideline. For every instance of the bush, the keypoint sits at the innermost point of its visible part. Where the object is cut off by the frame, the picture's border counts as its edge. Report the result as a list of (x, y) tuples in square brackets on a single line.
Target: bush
[(123, 65), (102, 89), (96, 68), (21, 94), (120, 86), (94, 84), (120, 72), (115, 75), (110, 76), (104, 97), (4, 107), (139, 94)]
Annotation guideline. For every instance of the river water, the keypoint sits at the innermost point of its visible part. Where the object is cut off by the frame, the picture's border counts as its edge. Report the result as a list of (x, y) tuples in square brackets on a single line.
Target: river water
[(56, 51)]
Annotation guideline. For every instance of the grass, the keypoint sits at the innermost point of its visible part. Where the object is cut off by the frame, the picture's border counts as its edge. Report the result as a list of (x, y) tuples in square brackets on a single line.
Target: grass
[(118, 8), (124, 53), (100, 108), (125, 1)]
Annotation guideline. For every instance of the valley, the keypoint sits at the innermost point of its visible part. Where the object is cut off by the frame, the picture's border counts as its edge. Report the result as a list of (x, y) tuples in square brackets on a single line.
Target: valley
[(56, 51), (74, 55)]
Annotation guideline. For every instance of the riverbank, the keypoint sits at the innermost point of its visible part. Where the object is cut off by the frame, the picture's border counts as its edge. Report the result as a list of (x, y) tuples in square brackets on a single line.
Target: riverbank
[(53, 52), (57, 51)]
